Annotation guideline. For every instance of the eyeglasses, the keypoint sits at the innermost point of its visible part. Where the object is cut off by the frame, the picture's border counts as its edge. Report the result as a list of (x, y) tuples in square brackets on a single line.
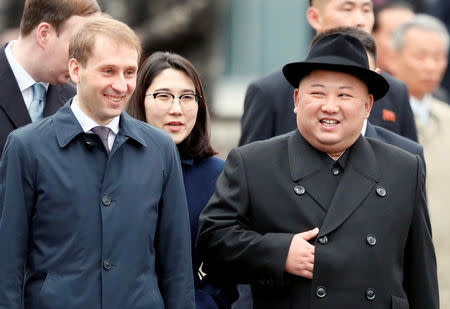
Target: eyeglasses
[(187, 101)]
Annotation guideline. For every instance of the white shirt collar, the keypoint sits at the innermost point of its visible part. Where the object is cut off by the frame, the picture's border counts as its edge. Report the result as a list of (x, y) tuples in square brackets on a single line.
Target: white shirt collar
[(421, 108), (87, 123), (24, 80)]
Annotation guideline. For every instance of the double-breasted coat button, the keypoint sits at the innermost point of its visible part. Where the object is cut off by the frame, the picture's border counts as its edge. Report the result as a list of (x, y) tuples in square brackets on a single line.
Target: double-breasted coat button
[(371, 240), (370, 294), (323, 240), (299, 190), (321, 292), (335, 171), (106, 200), (381, 191), (107, 264)]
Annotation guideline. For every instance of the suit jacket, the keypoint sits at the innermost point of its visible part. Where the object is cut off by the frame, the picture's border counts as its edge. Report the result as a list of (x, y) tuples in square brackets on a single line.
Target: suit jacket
[(269, 105), (389, 137), (374, 239), (435, 137), (13, 111), (83, 229)]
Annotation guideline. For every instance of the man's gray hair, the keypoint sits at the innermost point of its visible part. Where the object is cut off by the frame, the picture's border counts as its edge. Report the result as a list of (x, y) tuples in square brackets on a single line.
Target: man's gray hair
[(422, 22)]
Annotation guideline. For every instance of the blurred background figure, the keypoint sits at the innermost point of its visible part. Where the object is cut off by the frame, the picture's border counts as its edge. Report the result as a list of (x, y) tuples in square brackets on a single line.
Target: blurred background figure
[(441, 10), (169, 95), (419, 6), (421, 46), (387, 17), (421, 50)]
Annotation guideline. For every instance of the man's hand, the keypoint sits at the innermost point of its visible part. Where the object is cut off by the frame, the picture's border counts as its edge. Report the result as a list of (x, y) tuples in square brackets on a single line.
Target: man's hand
[(300, 259)]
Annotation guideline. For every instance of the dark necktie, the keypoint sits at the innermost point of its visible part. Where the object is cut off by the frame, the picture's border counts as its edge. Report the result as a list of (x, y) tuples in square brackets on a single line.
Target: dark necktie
[(103, 133)]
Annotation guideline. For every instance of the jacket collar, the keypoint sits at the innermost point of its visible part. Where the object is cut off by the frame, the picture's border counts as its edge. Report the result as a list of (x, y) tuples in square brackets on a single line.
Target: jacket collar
[(303, 158), (67, 127), (12, 102), (360, 177)]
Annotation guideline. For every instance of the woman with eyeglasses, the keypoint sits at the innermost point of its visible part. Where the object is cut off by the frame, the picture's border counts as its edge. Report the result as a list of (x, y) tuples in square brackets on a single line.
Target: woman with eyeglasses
[(169, 95)]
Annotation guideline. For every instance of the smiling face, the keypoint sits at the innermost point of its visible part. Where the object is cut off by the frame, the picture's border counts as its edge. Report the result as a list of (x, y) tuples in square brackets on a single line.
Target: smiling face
[(107, 80), (175, 120), (331, 108)]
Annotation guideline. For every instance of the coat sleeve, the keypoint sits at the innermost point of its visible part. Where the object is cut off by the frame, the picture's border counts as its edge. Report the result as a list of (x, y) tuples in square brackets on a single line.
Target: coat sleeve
[(16, 203), (257, 122), (173, 241), (420, 278), (227, 241)]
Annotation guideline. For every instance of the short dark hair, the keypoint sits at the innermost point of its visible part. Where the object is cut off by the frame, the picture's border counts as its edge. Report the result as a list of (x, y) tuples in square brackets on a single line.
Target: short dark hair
[(197, 144), (54, 12), (366, 39), (83, 40), (396, 4)]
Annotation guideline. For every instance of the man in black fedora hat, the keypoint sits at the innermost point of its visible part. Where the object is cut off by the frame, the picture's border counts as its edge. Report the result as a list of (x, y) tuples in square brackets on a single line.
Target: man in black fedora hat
[(324, 217)]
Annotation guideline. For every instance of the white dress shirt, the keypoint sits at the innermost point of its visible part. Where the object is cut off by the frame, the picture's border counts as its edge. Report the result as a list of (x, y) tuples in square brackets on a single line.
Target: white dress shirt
[(421, 108), (24, 80), (88, 123)]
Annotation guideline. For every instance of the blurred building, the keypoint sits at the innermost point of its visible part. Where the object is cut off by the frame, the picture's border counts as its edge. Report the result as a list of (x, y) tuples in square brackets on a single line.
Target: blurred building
[(259, 36)]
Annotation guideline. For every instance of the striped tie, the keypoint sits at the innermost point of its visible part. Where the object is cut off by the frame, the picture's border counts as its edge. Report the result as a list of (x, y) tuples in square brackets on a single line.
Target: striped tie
[(103, 133)]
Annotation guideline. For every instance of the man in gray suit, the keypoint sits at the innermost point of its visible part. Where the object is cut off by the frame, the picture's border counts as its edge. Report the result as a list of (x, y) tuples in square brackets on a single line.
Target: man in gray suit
[(324, 217), (33, 70)]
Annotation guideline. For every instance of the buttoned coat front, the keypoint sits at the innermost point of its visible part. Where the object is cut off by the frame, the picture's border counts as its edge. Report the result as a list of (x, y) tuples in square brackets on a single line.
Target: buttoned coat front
[(83, 229), (374, 248)]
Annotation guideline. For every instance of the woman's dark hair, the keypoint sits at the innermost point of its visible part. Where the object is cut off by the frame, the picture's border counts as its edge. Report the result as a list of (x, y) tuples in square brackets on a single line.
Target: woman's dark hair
[(197, 144)]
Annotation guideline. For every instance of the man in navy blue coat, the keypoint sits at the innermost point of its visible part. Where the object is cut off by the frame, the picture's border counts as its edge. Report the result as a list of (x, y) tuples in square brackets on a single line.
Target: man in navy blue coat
[(92, 203)]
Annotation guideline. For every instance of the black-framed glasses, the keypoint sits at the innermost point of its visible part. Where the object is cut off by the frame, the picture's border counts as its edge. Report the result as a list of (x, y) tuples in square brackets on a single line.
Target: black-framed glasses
[(165, 99)]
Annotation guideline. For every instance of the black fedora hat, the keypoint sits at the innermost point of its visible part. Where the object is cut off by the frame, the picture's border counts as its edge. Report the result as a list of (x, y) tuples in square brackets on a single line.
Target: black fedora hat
[(341, 53)]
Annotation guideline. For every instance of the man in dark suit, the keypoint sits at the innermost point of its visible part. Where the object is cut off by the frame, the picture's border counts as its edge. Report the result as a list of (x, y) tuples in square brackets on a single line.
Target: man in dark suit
[(324, 217), (93, 210), (37, 62), (268, 101)]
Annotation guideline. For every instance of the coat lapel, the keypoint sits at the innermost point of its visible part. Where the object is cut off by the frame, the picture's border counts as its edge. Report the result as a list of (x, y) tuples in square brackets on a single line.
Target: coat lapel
[(305, 163), (359, 178), (12, 102)]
